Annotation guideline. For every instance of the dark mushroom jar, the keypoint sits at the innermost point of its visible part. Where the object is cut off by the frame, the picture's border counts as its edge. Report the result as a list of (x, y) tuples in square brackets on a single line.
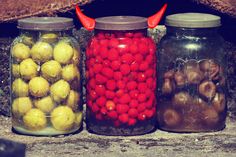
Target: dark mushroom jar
[(192, 80), (121, 77), (46, 78)]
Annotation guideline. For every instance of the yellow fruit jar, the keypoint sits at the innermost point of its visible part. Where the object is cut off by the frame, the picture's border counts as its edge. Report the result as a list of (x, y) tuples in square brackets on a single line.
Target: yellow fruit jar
[(46, 81)]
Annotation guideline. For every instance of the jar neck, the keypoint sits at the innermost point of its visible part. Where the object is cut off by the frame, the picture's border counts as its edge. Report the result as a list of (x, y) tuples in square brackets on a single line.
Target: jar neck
[(121, 32), (63, 33), (177, 31)]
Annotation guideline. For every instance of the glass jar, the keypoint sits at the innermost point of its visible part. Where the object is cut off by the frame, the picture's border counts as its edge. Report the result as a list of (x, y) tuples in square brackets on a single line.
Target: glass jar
[(46, 71), (192, 75), (121, 77)]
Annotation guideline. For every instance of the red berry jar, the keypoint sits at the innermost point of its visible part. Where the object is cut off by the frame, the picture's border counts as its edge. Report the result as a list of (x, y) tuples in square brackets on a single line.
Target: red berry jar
[(121, 77)]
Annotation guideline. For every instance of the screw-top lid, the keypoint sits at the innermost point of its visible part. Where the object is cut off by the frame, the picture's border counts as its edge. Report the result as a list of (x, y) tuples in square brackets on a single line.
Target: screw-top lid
[(46, 23), (121, 23), (193, 20)]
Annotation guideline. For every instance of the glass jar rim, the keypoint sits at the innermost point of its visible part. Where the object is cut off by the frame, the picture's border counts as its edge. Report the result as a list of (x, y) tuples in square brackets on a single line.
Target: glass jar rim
[(193, 20), (121, 23), (46, 23)]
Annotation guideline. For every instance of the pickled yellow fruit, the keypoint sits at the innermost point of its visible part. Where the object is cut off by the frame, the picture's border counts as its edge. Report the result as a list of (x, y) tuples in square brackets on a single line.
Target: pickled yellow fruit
[(28, 69), (62, 118), (20, 88), (15, 70), (78, 118), (28, 40), (21, 106), (35, 119), (49, 37), (76, 57), (45, 104), (38, 87), (69, 72), (73, 100), (51, 70), (20, 51), (60, 90), (63, 53), (41, 52)]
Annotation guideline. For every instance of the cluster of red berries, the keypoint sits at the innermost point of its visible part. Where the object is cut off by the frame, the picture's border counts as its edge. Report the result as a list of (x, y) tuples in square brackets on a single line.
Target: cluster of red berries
[(121, 77)]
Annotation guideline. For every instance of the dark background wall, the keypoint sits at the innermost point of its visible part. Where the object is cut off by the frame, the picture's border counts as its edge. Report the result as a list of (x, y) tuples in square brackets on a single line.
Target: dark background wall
[(144, 8)]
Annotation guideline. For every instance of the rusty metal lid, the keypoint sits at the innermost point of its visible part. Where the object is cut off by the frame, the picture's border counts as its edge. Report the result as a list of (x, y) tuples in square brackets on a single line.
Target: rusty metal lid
[(46, 23), (193, 20), (121, 23)]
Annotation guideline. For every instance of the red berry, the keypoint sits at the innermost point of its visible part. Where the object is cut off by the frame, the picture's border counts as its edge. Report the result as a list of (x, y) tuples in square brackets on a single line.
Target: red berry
[(91, 73), (101, 101), (129, 34), (133, 49), (141, 77), (126, 41), (111, 84), (113, 43), (143, 66), (149, 113), (143, 48), (148, 92), (149, 72), (95, 108), (120, 92), (131, 85), (133, 112), (93, 94), (150, 82), (100, 79), (103, 52), (97, 68), (109, 94), (125, 69), (95, 51), (127, 58), (133, 103), (134, 66), (113, 54), (123, 49), (110, 105), (122, 108), (99, 116), (141, 107), (142, 87), (132, 121), (100, 36), (142, 116), (98, 59), (115, 65), (92, 83), (133, 75), (106, 63), (149, 59), (107, 72), (117, 75), (138, 58), (103, 111), (117, 123), (100, 90), (124, 118), (125, 99), (121, 84), (138, 35), (112, 115), (134, 94), (103, 42), (142, 97)]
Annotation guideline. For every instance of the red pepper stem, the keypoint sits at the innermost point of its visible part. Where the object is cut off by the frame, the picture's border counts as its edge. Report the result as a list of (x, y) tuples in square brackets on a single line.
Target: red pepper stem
[(87, 22), (154, 20)]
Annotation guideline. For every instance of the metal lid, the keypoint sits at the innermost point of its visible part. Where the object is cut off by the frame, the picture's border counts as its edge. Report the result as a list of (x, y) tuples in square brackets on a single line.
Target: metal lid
[(193, 20), (121, 23), (46, 23)]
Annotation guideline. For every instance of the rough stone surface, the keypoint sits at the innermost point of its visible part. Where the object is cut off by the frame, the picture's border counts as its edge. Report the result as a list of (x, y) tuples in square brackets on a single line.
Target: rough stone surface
[(159, 143)]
